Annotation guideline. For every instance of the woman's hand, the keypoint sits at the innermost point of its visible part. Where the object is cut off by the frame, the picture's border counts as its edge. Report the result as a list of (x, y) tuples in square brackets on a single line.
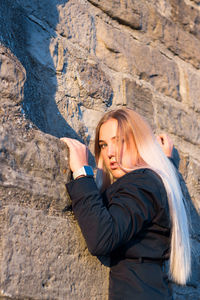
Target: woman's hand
[(78, 153), (166, 144)]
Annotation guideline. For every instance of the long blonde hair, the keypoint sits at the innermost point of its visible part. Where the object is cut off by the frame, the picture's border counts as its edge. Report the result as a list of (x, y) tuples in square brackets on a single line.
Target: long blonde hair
[(150, 154)]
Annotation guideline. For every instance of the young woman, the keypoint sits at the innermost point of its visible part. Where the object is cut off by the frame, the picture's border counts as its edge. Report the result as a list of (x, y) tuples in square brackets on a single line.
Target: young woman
[(134, 212)]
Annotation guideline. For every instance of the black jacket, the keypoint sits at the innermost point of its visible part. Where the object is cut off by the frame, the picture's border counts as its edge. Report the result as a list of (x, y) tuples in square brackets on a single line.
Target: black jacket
[(131, 223)]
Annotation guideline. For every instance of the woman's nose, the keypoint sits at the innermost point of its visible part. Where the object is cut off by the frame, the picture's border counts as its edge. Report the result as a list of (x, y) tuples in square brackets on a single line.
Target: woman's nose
[(111, 150)]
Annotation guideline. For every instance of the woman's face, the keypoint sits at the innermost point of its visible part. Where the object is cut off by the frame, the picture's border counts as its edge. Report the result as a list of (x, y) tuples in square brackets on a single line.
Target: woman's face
[(109, 150)]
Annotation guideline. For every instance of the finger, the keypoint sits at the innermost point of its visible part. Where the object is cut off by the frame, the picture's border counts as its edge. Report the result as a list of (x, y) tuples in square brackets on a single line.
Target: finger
[(68, 141), (165, 139), (163, 135), (166, 144), (65, 140), (159, 139)]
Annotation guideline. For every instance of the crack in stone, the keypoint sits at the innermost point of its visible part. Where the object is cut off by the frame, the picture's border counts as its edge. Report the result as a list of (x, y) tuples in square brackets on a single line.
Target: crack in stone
[(118, 19)]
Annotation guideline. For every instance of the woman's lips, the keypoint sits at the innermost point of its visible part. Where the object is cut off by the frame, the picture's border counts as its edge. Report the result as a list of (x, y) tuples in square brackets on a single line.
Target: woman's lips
[(113, 165)]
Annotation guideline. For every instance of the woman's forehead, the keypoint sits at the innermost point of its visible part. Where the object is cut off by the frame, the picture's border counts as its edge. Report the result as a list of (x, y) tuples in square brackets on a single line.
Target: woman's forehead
[(108, 129)]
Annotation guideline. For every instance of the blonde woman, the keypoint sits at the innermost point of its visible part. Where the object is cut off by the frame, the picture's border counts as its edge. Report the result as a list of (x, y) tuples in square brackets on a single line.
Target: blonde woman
[(134, 212)]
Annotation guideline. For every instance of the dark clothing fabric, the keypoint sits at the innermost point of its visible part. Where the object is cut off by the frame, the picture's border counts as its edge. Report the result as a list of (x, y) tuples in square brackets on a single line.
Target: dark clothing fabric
[(131, 223)]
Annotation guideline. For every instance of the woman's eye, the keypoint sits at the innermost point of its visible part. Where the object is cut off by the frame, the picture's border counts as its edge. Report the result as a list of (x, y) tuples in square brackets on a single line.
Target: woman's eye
[(102, 146)]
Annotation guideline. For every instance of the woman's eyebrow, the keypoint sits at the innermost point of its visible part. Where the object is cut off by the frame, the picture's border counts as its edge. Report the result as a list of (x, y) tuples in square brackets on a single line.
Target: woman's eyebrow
[(112, 138)]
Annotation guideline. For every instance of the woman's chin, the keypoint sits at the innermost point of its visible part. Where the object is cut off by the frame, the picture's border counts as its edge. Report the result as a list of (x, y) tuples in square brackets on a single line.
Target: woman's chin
[(117, 173)]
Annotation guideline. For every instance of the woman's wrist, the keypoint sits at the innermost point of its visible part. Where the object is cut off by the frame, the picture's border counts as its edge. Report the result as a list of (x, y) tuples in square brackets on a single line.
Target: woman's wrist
[(83, 171)]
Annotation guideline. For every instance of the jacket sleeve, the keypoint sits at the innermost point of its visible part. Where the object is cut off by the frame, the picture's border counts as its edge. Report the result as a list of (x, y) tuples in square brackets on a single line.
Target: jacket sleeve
[(106, 228)]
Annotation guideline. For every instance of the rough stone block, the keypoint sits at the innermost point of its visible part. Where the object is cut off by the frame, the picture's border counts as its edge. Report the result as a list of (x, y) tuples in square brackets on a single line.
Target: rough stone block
[(193, 84), (196, 1), (12, 76), (93, 81), (193, 182), (76, 23), (125, 12), (124, 54), (36, 164), (163, 7), (175, 39), (173, 36), (140, 99), (175, 119), (186, 15), (45, 257)]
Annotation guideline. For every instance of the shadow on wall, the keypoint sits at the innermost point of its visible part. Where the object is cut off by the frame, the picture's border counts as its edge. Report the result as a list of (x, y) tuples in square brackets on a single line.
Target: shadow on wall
[(28, 37)]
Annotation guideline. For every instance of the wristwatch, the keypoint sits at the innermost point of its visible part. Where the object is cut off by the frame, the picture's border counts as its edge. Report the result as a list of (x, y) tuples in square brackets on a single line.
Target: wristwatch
[(84, 171)]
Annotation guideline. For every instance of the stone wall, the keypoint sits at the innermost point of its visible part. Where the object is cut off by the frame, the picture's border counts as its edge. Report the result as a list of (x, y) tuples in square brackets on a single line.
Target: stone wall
[(62, 65)]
